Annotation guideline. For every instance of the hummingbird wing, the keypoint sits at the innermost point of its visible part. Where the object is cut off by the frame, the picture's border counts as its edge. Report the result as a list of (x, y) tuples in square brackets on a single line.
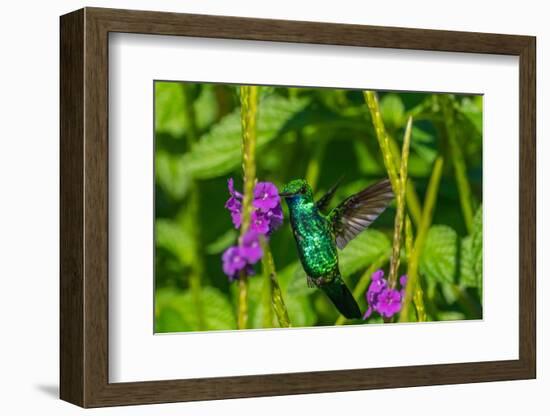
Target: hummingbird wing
[(358, 211), (322, 203)]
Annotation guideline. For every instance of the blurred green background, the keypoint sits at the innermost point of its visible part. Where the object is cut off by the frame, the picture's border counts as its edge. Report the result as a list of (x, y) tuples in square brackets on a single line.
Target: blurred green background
[(320, 135)]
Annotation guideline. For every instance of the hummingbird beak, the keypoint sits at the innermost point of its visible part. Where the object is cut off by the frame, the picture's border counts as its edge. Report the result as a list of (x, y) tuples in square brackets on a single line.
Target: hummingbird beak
[(286, 194)]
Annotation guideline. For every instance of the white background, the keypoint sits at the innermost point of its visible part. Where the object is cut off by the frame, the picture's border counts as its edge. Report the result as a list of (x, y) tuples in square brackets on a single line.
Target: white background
[(136, 355), (29, 209)]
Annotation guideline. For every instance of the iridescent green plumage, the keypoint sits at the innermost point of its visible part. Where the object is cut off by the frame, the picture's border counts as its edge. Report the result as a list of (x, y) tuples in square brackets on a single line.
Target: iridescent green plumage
[(318, 235)]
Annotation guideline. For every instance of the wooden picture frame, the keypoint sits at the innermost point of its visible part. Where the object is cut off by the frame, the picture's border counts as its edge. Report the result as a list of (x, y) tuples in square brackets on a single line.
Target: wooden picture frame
[(84, 207)]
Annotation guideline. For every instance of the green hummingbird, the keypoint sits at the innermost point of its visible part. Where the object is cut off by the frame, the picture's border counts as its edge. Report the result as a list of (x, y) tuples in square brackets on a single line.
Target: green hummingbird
[(318, 235)]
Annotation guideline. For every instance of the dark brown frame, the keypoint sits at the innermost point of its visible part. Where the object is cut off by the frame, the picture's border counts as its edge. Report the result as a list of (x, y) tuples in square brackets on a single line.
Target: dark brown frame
[(84, 207)]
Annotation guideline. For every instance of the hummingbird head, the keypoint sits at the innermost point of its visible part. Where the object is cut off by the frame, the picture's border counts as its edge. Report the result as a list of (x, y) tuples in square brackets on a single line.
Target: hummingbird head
[(297, 187)]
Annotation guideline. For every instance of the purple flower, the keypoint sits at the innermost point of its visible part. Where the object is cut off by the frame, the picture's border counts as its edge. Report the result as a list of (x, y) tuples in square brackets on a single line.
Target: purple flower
[(259, 222), (234, 204), (266, 196), (383, 299), (236, 219), (389, 302), (233, 262), (250, 247), (266, 216), (275, 217), (377, 285), (232, 191)]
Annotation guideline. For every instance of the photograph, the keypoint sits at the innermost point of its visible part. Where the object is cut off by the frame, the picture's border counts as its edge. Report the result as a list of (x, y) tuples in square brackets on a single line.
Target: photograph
[(305, 206)]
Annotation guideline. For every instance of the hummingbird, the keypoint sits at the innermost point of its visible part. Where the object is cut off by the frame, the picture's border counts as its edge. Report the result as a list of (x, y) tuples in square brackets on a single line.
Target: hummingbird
[(319, 235)]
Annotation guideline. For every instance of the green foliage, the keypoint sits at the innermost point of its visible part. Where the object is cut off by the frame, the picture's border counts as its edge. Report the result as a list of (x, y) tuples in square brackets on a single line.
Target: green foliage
[(477, 249), (467, 275), (222, 242), (169, 106), (171, 174), (471, 264), (256, 309), (300, 311), (321, 135), (393, 110), (218, 151), (362, 251), (171, 99), (471, 107), (172, 237), (176, 311), (438, 260)]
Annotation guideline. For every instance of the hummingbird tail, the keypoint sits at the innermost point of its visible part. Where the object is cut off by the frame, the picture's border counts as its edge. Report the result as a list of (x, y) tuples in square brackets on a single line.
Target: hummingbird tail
[(342, 298)]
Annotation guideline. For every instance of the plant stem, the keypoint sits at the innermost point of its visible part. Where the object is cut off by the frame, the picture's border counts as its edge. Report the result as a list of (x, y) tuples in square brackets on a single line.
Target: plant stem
[(413, 289), (464, 191), (412, 199), (390, 155), (267, 309), (429, 205), (242, 318), (364, 280), (276, 295), (249, 112), (400, 213), (383, 138), (413, 203)]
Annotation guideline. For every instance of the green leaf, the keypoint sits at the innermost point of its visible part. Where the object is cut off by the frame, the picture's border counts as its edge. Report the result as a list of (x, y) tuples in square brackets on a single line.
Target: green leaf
[(171, 174), (426, 153), (296, 296), (367, 163), (472, 110), (206, 106), (217, 309), (176, 311), (477, 248), (285, 275), (449, 293), (167, 314), (218, 152), (362, 251), (467, 276), (471, 255), (438, 258), (421, 136), (422, 144), (297, 285), (450, 316), (169, 108), (222, 242), (300, 311), (392, 110), (255, 304), (170, 101), (172, 237)]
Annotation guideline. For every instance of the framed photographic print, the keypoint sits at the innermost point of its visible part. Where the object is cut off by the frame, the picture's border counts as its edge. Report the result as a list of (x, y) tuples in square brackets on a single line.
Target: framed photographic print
[(260, 207)]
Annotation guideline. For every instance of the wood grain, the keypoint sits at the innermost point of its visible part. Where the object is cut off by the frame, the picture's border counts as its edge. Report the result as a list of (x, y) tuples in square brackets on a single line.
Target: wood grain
[(84, 207), (71, 100)]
